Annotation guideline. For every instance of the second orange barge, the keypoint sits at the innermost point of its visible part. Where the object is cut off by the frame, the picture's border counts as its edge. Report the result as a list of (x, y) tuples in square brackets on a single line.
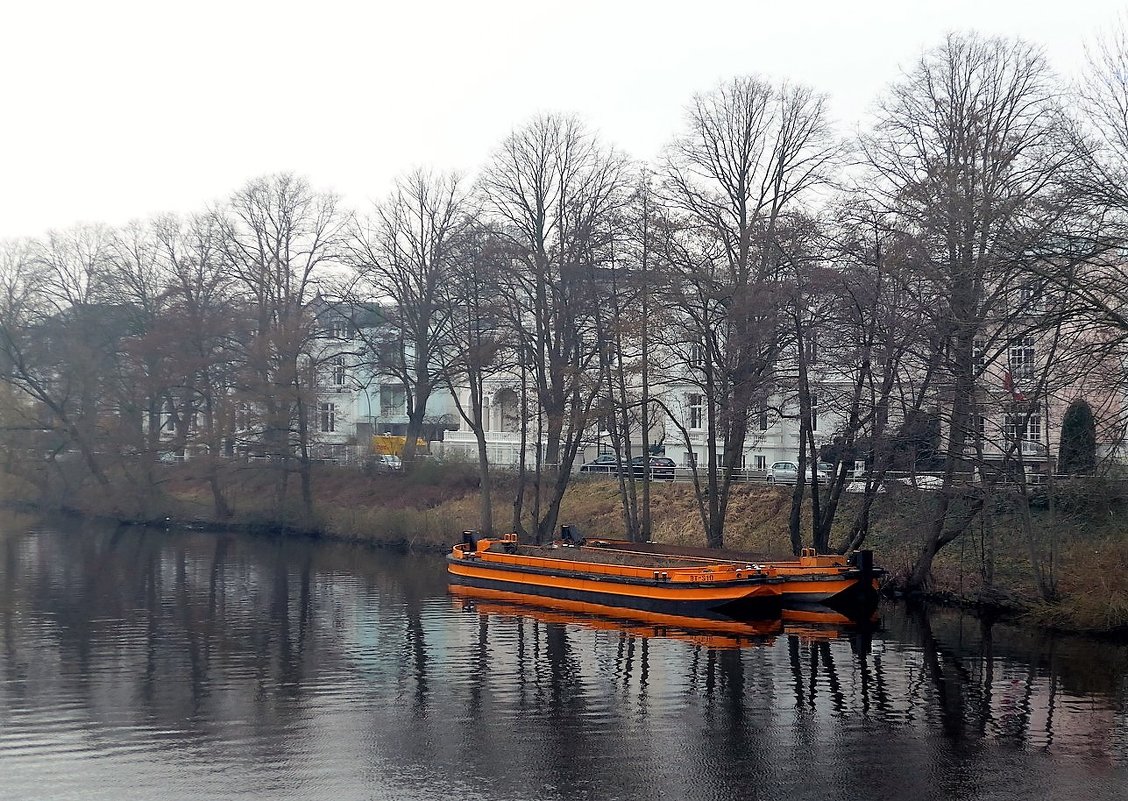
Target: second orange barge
[(809, 579)]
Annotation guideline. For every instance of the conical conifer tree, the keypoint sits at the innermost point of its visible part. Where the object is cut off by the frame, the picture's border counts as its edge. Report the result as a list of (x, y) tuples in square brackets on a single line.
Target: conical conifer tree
[(1078, 450)]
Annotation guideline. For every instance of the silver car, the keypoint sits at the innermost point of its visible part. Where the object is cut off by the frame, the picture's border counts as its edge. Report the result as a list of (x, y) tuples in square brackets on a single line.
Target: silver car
[(788, 473), (388, 463)]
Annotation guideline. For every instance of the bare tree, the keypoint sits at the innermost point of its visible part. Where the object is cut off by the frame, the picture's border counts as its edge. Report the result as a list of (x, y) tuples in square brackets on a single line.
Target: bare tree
[(812, 291), (405, 254), (621, 315), (974, 154), (59, 333), (475, 351), (552, 188), (24, 381), (1104, 96), (279, 239), (875, 335), (144, 376), (206, 353), (1101, 292), (749, 152), (76, 266)]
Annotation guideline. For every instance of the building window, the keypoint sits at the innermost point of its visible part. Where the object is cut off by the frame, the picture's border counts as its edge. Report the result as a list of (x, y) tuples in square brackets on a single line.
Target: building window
[(696, 412), (761, 462), (1028, 298), (339, 371), (980, 427), (1020, 357), (242, 417), (328, 415), (978, 355), (508, 410), (814, 411), (393, 401), (690, 458), (697, 355), (811, 348), (1027, 428), (339, 329), (765, 422)]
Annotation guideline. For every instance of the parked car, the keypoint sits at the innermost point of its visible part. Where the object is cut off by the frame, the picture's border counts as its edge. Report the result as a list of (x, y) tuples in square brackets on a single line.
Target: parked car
[(604, 463), (661, 467), (387, 463), (788, 473), (923, 482), (858, 485)]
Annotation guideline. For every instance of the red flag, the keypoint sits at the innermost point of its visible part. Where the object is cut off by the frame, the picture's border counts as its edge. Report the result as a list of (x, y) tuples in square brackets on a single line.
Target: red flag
[(1008, 385)]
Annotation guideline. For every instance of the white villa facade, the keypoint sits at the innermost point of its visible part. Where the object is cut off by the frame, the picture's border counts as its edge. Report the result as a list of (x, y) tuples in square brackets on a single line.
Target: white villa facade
[(354, 403)]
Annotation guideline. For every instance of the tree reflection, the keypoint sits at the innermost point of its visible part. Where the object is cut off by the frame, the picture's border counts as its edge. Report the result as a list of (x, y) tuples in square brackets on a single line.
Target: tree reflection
[(215, 636)]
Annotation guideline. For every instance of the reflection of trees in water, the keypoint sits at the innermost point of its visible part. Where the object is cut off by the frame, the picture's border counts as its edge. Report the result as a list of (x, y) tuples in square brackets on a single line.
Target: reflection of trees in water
[(202, 632), (153, 625), (415, 646), (979, 687), (813, 666), (480, 668)]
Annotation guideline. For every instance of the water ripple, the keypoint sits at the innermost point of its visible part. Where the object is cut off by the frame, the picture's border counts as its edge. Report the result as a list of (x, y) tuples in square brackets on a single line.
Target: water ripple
[(192, 666)]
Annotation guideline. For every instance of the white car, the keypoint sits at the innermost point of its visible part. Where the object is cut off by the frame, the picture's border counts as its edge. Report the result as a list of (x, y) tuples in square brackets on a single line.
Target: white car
[(923, 482), (788, 473), (858, 485), (388, 462)]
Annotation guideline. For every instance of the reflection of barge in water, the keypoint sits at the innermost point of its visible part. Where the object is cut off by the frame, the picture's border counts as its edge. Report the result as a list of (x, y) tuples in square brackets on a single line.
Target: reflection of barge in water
[(716, 632), (658, 578), (811, 624)]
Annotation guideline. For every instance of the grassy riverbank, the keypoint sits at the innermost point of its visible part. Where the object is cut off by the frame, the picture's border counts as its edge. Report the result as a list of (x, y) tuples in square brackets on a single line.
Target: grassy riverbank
[(1081, 545)]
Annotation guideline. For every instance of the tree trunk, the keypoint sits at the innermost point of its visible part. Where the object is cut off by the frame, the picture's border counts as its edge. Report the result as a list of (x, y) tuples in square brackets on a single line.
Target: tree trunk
[(219, 502), (305, 471), (420, 398), (795, 521), (485, 481)]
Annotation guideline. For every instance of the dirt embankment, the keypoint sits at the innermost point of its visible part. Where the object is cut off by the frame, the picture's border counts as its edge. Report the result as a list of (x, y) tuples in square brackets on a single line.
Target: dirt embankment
[(1080, 544)]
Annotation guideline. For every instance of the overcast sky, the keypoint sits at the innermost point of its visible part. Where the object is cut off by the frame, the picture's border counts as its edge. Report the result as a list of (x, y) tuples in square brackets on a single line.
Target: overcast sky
[(114, 110)]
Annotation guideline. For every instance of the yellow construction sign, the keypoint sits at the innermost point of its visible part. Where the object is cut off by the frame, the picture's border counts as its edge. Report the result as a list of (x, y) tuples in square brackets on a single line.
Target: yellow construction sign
[(389, 445)]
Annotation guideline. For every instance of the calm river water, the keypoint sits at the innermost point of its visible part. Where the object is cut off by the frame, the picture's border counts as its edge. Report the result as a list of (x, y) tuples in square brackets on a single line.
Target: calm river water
[(160, 665)]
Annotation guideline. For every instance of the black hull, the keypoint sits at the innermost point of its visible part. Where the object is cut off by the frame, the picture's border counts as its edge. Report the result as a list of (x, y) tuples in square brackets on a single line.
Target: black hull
[(858, 601)]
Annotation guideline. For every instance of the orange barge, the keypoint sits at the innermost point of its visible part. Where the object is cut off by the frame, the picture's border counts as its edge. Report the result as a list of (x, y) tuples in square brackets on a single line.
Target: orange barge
[(613, 577), (823, 579)]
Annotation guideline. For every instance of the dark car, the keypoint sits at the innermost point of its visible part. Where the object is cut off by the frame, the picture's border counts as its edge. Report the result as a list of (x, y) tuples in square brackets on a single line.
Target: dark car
[(604, 463), (661, 467)]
